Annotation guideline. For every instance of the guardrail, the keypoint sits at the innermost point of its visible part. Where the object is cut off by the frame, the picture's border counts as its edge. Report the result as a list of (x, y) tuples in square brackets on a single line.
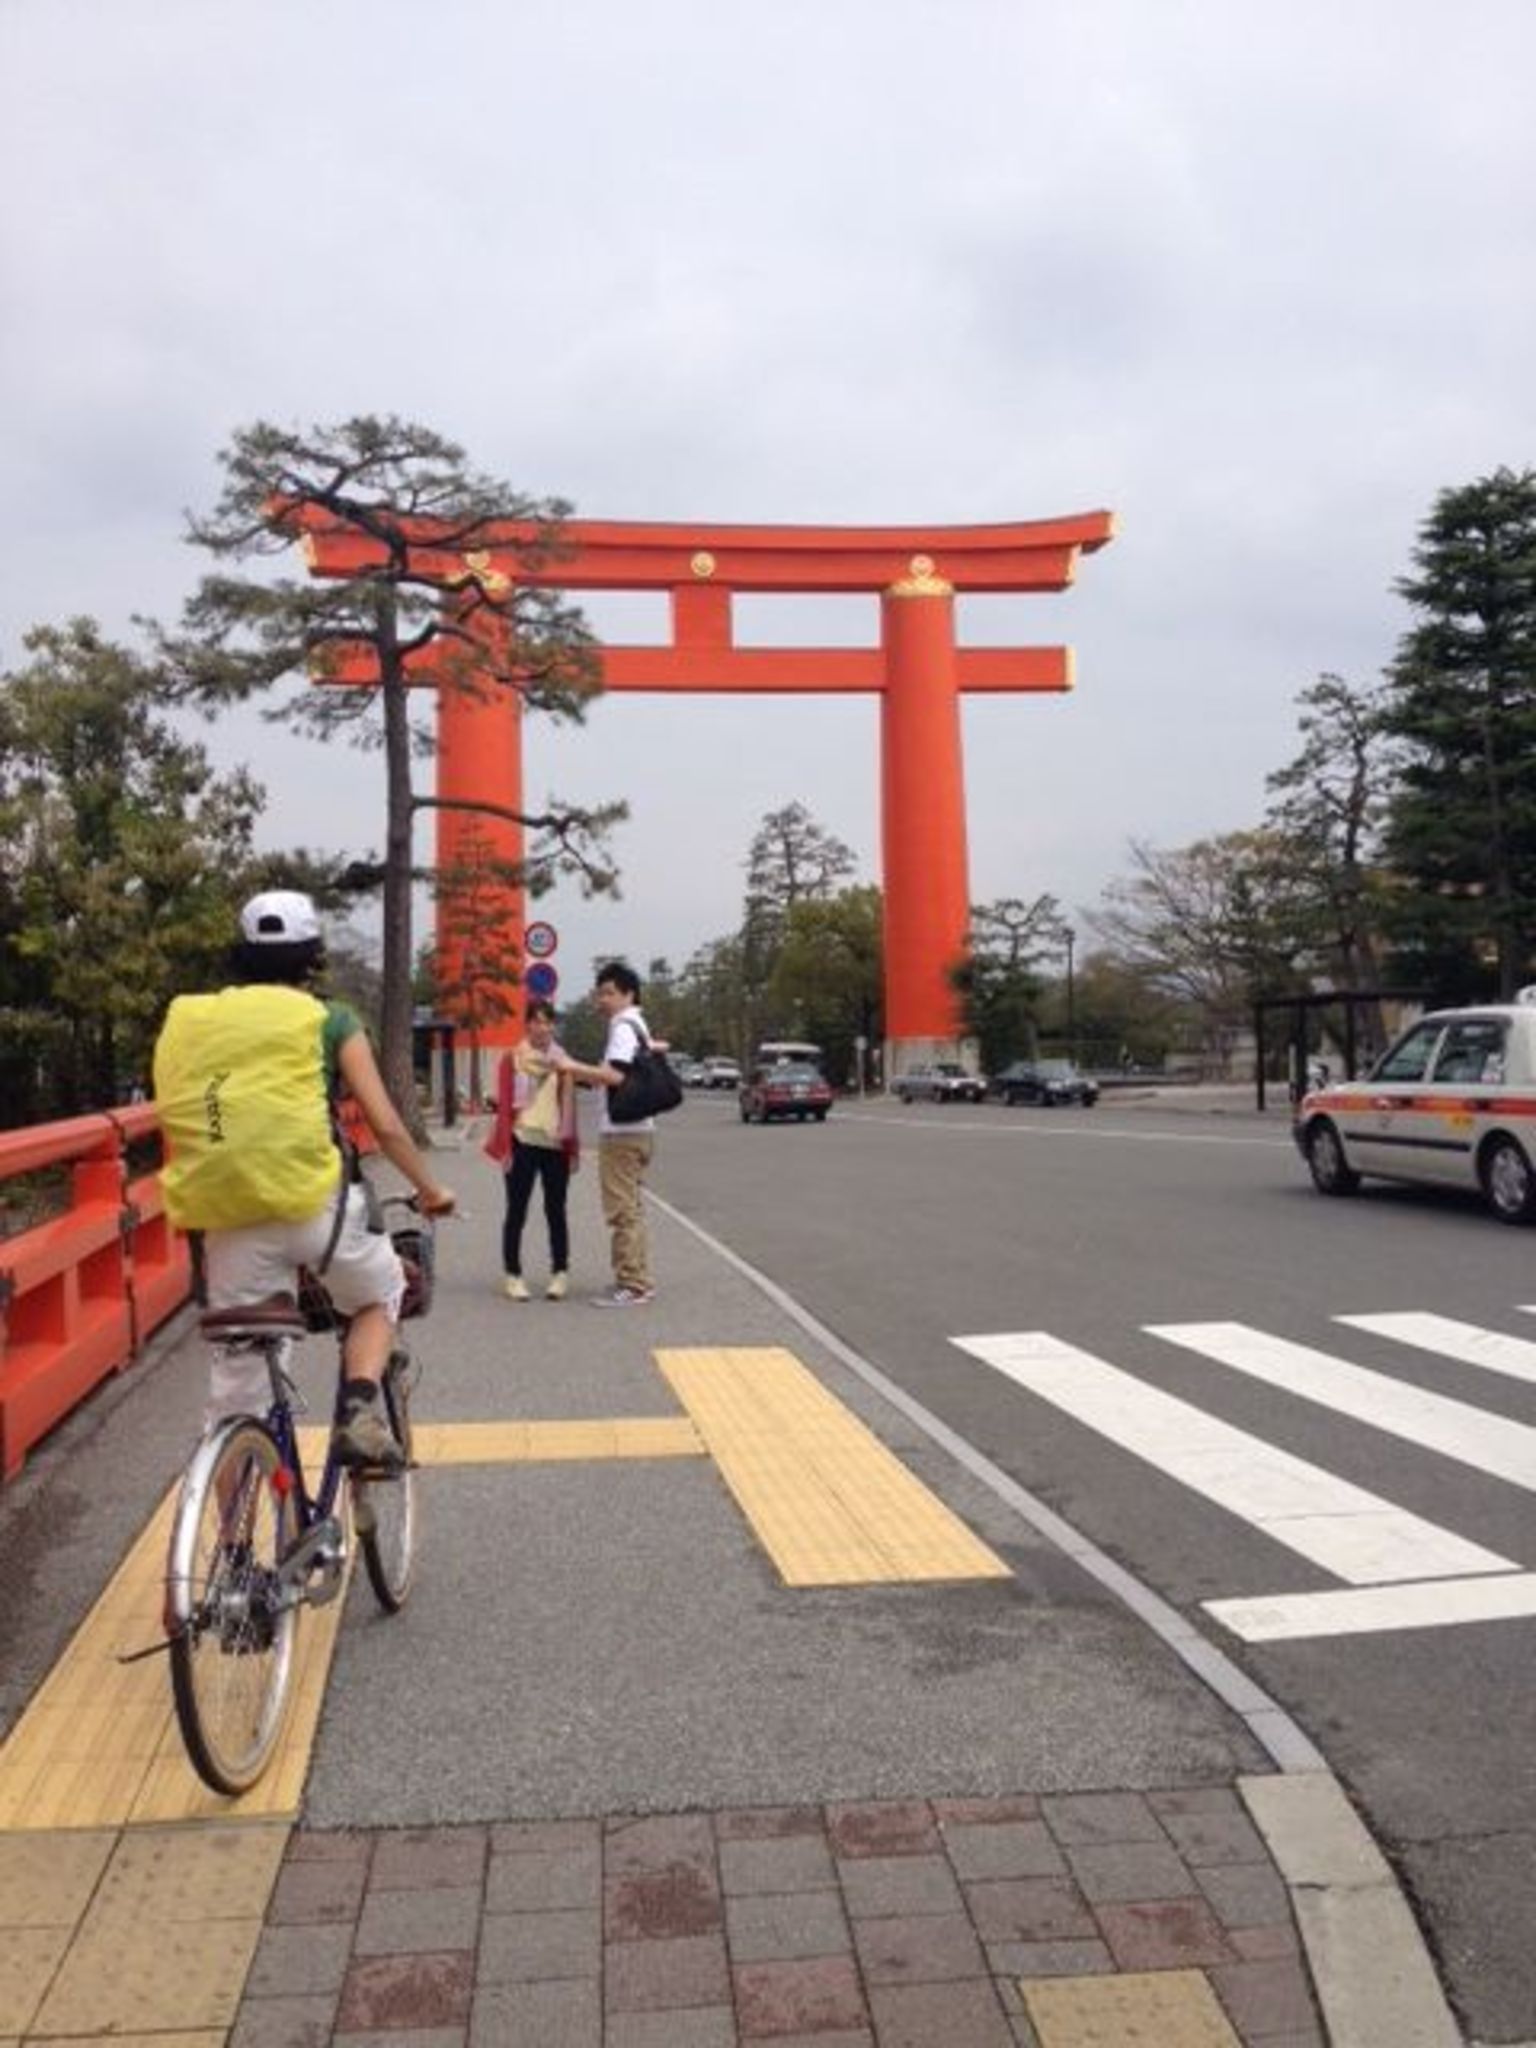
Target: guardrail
[(82, 1292)]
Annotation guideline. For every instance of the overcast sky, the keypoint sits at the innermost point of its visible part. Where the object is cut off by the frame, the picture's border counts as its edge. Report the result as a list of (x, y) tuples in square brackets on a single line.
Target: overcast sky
[(1258, 279)]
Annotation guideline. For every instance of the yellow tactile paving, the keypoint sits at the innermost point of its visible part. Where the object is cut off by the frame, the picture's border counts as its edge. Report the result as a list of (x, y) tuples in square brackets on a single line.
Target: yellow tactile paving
[(29, 1956), (1142, 2009), (47, 1880), (164, 1874), (826, 1499), (153, 1933), (99, 1745), (113, 1981), (201, 2037), (511, 1443)]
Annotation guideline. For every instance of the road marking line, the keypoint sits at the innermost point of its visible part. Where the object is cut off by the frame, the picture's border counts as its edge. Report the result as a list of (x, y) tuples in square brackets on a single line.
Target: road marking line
[(1469, 1344), (1491, 1443), (1356, 1535), (971, 1127), (830, 1504), (1367, 1610)]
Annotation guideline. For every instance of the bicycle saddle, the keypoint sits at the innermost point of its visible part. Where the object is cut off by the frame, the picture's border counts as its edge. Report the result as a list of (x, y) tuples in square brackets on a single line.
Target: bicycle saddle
[(278, 1315)]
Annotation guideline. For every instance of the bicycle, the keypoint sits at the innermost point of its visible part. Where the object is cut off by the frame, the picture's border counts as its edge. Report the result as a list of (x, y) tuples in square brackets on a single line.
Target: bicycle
[(251, 1545)]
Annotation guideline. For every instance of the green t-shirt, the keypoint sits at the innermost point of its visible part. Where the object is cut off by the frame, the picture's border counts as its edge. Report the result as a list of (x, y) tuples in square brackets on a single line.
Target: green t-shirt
[(341, 1023)]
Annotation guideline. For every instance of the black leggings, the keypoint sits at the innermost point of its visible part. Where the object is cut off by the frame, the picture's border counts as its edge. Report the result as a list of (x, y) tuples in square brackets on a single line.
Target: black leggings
[(529, 1163)]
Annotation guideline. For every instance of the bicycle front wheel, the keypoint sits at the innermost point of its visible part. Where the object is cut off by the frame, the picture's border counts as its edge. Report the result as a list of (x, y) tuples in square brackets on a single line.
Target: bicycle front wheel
[(233, 1628), (384, 1504)]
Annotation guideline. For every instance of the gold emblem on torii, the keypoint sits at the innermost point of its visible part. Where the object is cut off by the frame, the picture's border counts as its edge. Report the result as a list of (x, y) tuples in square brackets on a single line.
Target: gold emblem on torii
[(922, 580), (491, 581)]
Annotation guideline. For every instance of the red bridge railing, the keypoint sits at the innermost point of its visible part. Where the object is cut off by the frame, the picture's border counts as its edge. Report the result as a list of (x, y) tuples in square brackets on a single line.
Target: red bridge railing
[(82, 1292)]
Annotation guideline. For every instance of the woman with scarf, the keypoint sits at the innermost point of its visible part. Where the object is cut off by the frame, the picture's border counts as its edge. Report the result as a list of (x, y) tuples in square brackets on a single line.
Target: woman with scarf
[(534, 1139)]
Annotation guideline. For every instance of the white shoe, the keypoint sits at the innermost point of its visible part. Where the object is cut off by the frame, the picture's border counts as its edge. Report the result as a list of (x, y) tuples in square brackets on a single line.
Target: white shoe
[(515, 1288), (555, 1291)]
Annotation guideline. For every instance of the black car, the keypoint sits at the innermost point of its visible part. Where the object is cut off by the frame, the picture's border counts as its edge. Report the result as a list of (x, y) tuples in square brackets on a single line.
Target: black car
[(946, 1082), (1047, 1082)]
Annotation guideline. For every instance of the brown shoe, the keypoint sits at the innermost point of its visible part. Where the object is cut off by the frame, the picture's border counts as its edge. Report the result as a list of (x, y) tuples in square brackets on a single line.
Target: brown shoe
[(363, 1437)]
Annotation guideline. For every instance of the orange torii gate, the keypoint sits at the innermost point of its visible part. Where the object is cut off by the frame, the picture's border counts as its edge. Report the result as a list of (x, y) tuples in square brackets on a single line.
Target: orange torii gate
[(917, 670)]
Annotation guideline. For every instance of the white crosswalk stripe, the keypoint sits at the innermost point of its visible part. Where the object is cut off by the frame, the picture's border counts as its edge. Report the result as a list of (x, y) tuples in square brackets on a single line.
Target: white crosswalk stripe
[(1368, 1610), (1448, 1338), (1399, 1570), (1491, 1443), (1349, 1532)]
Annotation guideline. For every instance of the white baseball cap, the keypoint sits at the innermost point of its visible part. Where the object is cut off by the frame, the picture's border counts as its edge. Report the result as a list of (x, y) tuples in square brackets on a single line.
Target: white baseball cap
[(279, 917)]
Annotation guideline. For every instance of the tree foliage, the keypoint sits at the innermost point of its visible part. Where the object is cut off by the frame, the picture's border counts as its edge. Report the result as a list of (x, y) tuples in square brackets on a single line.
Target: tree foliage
[(123, 857), (1462, 699), (828, 980), (1327, 819), (998, 981), (1218, 923), (247, 632), (792, 859)]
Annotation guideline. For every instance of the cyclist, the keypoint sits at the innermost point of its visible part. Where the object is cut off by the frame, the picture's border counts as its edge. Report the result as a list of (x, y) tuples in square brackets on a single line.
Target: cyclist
[(247, 1087)]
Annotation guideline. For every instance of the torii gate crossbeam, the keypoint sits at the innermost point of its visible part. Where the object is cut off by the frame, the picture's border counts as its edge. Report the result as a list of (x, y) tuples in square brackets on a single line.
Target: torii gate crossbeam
[(918, 671)]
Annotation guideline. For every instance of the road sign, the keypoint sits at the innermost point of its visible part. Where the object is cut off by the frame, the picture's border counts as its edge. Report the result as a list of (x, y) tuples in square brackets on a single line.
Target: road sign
[(540, 940), (541, 980)]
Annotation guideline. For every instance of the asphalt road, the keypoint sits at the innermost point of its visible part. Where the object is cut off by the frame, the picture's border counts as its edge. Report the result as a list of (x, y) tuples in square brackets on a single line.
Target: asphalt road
[(904, 1228)]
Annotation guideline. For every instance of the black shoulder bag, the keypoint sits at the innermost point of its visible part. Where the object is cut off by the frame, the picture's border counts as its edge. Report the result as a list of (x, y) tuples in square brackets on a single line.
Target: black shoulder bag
[(649, 1088)]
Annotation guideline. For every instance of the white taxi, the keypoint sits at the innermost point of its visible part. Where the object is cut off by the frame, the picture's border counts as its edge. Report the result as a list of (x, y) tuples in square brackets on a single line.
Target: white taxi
[(1452, 1103)]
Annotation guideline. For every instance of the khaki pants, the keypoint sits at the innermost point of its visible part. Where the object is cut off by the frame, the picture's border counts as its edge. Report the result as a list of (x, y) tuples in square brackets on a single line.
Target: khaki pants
[(621, 1164)]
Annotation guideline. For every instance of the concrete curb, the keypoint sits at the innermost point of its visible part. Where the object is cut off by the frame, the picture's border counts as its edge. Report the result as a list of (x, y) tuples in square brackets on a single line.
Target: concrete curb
[(1374, 1976)]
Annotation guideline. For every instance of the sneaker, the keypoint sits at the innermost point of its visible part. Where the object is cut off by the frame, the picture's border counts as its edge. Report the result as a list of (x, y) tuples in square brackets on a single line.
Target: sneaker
[(555, 1291), (515, 1288), (363, 1437), (623, 1297)]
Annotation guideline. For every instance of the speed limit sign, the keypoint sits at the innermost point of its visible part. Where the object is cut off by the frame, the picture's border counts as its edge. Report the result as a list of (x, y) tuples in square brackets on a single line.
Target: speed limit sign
[(540, 940)]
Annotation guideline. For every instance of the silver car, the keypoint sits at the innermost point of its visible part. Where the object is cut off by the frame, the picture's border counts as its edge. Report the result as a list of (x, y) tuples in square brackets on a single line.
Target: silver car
[(1452, 1103)]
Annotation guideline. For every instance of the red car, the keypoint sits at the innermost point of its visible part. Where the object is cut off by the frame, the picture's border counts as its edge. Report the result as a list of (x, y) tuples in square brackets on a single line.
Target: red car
[(786, 1089)]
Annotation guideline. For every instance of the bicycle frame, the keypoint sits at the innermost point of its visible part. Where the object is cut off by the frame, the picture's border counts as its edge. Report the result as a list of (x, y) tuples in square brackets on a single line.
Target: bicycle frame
[(283, 1429), (314, 1517)]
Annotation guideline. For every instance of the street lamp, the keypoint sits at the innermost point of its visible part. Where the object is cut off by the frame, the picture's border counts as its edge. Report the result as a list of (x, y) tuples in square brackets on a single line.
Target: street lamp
[(1069, 939)]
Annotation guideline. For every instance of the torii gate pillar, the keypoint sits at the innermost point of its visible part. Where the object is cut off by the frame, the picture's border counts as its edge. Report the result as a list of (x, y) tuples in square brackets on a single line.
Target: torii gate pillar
[(922, 820), (479, 760)]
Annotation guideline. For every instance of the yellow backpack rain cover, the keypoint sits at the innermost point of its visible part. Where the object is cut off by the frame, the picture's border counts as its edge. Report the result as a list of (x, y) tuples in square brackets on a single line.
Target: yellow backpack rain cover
[(241, 1089)]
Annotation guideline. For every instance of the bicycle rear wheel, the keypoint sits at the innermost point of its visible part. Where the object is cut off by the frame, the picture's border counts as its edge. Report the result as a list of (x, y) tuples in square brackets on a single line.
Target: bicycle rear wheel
[(233, 1633), (384, 1504)]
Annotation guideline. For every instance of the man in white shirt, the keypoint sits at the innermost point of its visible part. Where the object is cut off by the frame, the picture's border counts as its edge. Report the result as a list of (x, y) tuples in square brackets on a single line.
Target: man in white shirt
[(623, 1150)]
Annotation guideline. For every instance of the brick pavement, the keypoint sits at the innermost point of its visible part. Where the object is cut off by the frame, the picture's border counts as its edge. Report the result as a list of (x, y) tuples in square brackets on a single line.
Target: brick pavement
[(1023, 1922)]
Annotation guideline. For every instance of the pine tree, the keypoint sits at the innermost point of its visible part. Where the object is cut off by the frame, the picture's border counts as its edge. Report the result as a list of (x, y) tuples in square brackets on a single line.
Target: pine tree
[(243, 635), (1462, 697)]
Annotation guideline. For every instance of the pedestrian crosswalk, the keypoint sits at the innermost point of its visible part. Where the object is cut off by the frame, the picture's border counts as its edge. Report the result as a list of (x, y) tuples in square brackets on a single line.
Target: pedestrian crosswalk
[(1396, 1568)]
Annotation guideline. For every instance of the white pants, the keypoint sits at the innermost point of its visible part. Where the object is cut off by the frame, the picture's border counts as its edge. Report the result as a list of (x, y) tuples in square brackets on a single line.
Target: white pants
[(262, 1259)]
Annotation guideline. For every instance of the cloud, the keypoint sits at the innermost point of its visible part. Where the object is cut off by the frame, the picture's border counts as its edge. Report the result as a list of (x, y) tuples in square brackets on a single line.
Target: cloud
[(1257, 281)]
